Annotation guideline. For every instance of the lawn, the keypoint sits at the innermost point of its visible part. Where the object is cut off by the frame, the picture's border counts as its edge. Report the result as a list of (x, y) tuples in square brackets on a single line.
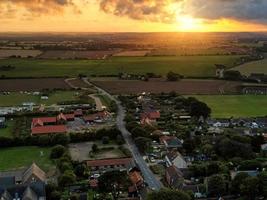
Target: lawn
[(7, 132), (235, 105), (20, 157), (253, 67), (17, 98), (197, 66)]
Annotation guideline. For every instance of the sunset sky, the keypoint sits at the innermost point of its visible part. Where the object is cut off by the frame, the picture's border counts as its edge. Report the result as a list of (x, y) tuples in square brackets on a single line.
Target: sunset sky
[(132, 15)]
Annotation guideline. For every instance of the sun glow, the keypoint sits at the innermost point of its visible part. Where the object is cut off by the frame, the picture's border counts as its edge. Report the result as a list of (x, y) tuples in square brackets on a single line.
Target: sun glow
[(188, 23)]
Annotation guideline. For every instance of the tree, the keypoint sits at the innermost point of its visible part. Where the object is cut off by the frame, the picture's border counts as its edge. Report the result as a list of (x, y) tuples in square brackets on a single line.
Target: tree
[(139, 132), (94, 148), (105, 140), (250, 187), (238, 180), (171, 76), (142, 144), (112, 182), (232, 75), (198, 109), (57, 151), (67, 178), (263, 183), (216, 185), (167, 194), (81, 170)]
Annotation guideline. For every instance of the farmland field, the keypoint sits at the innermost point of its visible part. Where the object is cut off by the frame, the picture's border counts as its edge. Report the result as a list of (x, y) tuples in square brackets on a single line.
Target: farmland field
[(17, 98), (8, 85), (235, 105), (195, 66), (76, 54), (19, 53), (131, 53), (253, 67), (9, 159), (186, 86)]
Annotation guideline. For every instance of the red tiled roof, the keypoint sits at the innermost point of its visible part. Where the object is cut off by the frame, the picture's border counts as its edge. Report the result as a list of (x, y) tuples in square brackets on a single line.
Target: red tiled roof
[(93, 183), (69, 116), (154, 115), (136, 178), (39, 130), (109, 162), (44, 120)]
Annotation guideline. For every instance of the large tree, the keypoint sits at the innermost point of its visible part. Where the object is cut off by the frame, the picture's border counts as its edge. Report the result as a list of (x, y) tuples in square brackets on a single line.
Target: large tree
[(167, 194), (216, 185), (113, 182)]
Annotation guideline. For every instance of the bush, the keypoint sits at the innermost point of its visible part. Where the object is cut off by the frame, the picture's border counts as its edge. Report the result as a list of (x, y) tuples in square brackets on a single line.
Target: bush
[(57, 152)]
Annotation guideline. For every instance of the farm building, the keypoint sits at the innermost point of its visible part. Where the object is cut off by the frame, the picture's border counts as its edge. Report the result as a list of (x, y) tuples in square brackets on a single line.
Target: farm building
[(250, 88), (110, 164), (96, 117)]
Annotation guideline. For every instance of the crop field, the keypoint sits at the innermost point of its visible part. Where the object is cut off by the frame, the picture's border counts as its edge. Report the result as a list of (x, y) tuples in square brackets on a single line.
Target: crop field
[(131, 53), (12, 85), (226, 106), (9, 159), (253, 67), (187, 86), (195, 66), (19, 53), (76, 54), (17, 98)]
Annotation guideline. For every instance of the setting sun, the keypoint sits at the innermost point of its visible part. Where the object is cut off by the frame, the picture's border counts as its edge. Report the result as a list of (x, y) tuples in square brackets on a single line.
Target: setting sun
[(188, 23)]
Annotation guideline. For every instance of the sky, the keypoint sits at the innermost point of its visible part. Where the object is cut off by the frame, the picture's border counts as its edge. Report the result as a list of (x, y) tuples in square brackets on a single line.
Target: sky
[(133, 15)]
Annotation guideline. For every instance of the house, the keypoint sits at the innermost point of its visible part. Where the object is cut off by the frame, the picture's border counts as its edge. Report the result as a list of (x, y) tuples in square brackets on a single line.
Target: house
[(136, 178), (174, 177), (24, 184), (110, 164), (31, 174), (176, 159), (2, 122), (78, 113), (219, 73), (97, 117), (149, 117), (44, 130), (171, 142)]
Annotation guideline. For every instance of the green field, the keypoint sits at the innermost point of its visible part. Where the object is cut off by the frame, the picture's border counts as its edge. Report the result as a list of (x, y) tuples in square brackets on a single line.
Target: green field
[(197, 66), (253, 67), (235, 105), (17, 98), (7, 132), (21, 157)]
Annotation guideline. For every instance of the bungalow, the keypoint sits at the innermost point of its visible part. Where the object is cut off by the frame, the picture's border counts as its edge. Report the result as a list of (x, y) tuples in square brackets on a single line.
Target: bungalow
[(43, 130), (174, 177), (2, 122), (174, 158), (171, 142), (110, 164)]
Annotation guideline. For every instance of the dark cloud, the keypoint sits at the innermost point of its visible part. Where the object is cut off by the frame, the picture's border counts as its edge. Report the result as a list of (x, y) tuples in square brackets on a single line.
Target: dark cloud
[(150, 10), (158, 10), (233, 9)]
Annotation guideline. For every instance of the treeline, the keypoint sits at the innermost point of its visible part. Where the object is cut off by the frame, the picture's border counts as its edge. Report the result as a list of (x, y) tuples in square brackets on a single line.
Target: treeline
[(63, 139)]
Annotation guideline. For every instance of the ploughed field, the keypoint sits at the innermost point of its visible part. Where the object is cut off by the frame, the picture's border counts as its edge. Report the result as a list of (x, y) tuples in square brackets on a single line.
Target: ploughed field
[(8, 85), (186, 86), (190, 66), (226, 106)]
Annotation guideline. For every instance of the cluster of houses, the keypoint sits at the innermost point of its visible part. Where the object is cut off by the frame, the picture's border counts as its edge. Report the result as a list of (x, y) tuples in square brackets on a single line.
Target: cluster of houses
[(23, 184), (58, 124)]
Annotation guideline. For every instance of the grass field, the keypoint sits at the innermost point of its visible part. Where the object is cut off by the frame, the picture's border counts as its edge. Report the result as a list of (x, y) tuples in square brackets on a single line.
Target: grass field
[(20, 157), (253, 67), (235, 105), (17, 98), (7, 132), (197, 66)]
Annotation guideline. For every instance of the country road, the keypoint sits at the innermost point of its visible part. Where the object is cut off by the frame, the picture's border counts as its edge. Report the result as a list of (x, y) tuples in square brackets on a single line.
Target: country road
[(149, 177)]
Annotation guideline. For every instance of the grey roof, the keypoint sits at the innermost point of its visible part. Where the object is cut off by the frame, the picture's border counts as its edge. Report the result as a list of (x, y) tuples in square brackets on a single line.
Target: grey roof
[(7, 181)]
